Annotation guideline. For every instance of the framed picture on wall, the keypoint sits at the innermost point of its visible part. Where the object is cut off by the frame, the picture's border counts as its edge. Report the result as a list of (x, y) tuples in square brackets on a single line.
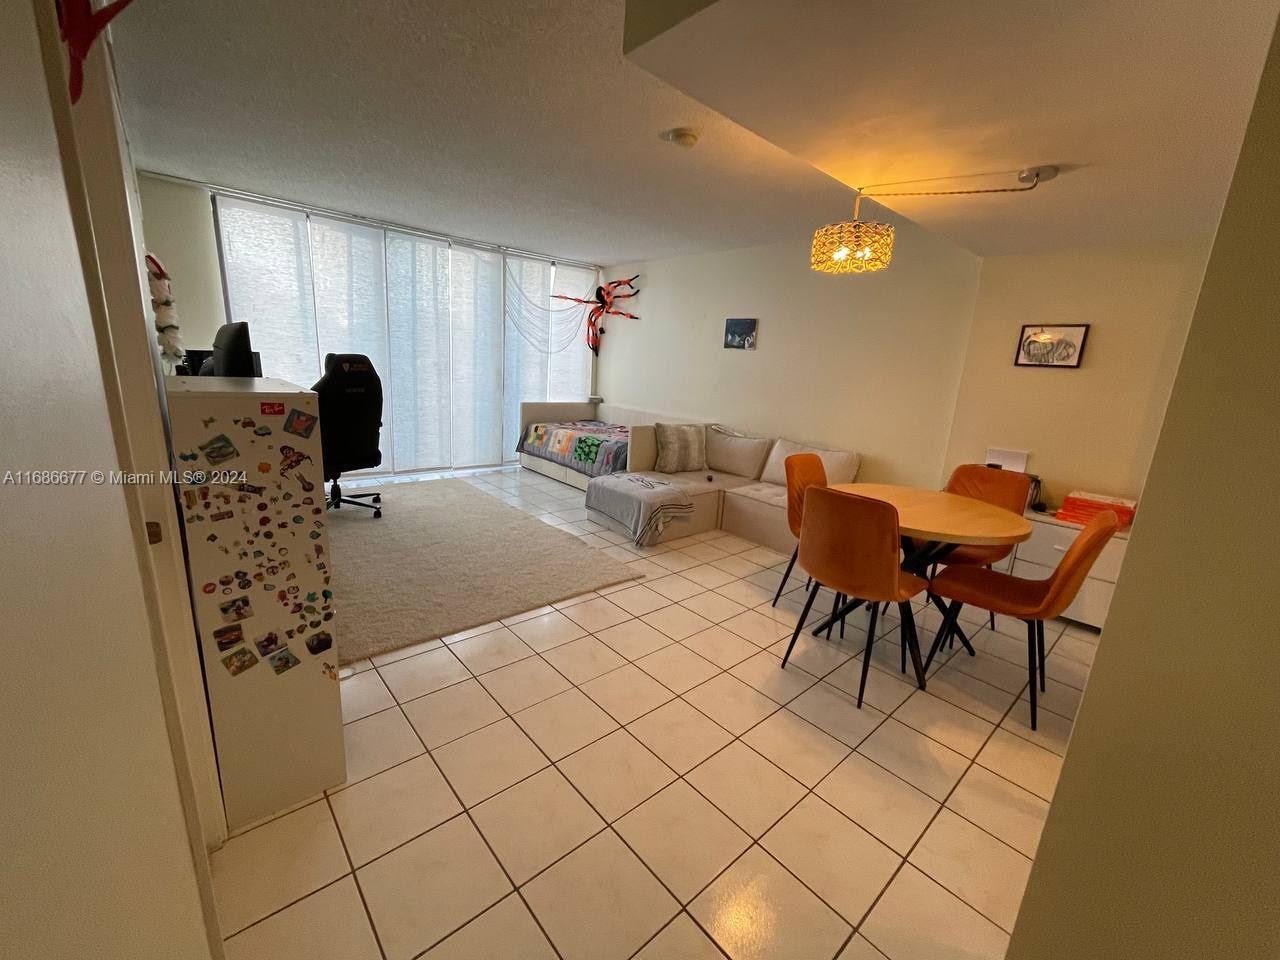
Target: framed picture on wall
[(740, 334), (1056, 346)]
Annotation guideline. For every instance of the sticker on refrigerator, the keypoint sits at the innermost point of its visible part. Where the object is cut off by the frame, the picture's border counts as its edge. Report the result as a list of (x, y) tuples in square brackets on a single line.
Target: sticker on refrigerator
[(219, 449), (228, 637), (299, 423), (268, 643), (233, 611), (319, 643), (270, 408), (238, 661), (283, 660)]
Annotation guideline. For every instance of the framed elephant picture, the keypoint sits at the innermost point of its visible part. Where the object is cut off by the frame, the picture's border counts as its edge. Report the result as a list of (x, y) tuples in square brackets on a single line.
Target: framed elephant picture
[(1051, 346)]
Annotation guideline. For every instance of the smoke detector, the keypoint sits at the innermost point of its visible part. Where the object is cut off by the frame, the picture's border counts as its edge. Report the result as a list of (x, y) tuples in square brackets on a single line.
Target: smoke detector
[(681, 136)]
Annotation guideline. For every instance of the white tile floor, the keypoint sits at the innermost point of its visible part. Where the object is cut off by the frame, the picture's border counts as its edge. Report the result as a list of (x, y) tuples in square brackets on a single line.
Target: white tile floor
[(630, 774)]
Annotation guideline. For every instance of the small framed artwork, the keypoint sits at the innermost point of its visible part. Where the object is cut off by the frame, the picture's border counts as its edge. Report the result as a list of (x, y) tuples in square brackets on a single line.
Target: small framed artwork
[(740, 334), (1055, 346)]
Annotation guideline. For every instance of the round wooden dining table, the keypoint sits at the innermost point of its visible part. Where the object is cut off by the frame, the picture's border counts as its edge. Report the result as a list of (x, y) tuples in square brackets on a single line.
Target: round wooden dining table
[(946, 518), (932, 524)]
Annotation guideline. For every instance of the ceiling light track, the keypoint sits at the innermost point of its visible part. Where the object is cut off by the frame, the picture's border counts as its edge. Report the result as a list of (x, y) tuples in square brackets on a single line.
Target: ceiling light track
[(1031, 177), (864, 246)]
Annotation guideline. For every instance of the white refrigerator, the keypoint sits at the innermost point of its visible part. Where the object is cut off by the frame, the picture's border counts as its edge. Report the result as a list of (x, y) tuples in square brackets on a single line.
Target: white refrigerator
[(250, 482)]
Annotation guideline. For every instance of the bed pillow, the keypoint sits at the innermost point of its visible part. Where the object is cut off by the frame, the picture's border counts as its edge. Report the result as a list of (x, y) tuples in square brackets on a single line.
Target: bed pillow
[(841, 465), (681, 447), (736, 453)]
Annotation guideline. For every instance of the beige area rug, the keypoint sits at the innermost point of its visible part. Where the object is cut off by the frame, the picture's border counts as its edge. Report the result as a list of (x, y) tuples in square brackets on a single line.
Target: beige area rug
[(446, 557)]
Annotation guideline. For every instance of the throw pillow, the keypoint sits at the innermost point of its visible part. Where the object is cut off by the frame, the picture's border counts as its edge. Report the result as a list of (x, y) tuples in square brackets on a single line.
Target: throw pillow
[(841, 465), (681, 446), (729, 452)]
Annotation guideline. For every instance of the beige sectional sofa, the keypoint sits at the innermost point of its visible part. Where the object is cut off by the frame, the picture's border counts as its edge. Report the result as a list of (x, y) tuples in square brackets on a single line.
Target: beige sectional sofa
[(743, 491)]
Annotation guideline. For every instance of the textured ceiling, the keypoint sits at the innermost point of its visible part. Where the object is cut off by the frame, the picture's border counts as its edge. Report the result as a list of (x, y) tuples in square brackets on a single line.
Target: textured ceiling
[(1147, 100), (512, 123)]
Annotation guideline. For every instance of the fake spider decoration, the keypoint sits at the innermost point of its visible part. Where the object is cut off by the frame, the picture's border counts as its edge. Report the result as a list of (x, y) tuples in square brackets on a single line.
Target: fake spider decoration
[(602, 304)]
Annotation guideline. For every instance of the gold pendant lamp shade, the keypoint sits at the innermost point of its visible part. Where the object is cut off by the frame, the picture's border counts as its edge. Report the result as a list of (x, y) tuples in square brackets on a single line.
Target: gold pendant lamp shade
[(855, 246)]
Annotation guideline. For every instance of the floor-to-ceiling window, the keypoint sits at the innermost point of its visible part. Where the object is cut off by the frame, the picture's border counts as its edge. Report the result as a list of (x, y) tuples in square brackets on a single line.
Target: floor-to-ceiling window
[(460, 335)]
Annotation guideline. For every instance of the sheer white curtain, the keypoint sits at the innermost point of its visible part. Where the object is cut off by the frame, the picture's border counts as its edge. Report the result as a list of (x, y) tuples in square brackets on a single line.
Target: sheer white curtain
[(569, 370), (475, 310), (266, 258), (546, 355), (459, 335), (418, 319), (351, 300), (527, 295)]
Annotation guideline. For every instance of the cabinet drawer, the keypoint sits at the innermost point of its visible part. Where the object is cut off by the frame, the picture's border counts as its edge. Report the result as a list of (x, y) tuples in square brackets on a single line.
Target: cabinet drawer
[(1091, 603), (1048, 542)]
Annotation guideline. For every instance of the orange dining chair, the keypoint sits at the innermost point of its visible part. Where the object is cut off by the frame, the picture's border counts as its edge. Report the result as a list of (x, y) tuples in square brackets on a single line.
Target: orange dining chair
[(850, 544), (1033, 601), (1000, 488), (804, 470)]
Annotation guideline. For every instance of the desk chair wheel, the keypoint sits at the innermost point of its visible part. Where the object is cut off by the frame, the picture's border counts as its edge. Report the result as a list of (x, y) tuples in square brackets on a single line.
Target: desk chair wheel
[(377, 498), (377, 514)]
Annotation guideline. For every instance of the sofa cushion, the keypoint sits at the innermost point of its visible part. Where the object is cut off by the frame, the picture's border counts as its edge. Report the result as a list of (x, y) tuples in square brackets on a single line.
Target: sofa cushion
[(841, 465), (767, 493), (681, 446), (694, 482), (736, 453)]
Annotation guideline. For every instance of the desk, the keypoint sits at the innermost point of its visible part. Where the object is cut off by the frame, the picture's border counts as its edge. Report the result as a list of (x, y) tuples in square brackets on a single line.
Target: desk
[(932, 524)]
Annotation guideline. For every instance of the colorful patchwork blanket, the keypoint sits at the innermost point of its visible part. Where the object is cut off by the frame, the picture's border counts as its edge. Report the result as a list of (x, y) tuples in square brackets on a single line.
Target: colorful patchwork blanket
[(592, 447)]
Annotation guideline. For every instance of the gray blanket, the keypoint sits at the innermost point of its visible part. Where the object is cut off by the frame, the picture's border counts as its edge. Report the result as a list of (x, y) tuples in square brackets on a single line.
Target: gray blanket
[(644, 505)]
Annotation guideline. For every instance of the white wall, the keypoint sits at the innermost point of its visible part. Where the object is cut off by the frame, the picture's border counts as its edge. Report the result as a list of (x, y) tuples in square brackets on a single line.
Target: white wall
[(868, 363), (177, 224), (1163, 840), (96, 859), (1095, 427)]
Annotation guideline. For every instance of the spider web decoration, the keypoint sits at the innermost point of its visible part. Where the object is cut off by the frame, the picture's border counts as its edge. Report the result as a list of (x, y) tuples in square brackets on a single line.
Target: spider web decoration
[(548, 330), (602, 304)]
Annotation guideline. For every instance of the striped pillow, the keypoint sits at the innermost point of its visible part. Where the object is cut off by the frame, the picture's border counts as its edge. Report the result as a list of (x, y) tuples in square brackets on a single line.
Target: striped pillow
[(681, 447)]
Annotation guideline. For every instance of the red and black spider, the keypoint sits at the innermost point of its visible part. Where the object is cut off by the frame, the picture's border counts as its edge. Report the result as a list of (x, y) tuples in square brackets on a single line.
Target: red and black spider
[(602, 304)]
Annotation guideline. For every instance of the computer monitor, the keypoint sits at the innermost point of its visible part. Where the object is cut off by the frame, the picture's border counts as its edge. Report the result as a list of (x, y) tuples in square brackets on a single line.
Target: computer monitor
[(232, 352)]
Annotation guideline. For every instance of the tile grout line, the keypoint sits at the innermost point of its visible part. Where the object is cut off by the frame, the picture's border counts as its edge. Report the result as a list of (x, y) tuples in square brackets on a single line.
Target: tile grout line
[(377, 939)]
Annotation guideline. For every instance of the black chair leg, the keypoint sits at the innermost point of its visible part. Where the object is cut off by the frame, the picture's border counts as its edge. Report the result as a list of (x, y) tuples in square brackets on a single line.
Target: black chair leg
[(991, 613), (944, 632), (804, 615), (866, 656), (910, 642), (835, 608), (1031, 667), (786, 576), (1040, 650)]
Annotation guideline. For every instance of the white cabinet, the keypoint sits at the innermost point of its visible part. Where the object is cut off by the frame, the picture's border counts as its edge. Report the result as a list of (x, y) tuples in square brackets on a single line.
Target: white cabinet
[(1037, 557)]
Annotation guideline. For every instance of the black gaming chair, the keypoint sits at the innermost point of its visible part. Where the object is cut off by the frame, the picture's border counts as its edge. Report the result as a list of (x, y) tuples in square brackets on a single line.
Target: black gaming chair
[(350, 395)]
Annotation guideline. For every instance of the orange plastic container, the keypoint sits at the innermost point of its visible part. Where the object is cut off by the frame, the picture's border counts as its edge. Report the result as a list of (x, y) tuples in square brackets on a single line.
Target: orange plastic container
[(1081, 507)]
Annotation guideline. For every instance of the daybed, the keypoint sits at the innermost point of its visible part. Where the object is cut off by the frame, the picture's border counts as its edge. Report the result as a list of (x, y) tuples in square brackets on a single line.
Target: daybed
[(570, 442)]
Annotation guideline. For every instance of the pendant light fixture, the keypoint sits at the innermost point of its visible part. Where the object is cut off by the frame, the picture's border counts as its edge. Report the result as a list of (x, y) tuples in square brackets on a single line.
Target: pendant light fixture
[(855, 246), (863, 246)]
